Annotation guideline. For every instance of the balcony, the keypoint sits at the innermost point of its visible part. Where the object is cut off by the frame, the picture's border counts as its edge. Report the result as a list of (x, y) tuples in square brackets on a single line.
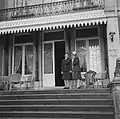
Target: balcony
[(55, 8)]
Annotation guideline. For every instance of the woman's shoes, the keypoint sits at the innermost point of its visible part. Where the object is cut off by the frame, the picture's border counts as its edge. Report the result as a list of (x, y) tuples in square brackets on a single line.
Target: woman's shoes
[(66, 87), (79, 87)]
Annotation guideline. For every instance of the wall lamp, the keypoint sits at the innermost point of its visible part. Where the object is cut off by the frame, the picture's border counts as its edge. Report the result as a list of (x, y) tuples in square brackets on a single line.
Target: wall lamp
[(112, 35)]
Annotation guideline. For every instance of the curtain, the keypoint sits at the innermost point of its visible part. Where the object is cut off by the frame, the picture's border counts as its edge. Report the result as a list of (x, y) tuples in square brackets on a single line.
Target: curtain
[(18, 59), (95, 56), (28, 59)]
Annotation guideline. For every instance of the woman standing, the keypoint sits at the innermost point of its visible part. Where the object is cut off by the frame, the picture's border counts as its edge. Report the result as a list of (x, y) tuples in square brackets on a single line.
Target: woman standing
[(66, 70), (76, 74)]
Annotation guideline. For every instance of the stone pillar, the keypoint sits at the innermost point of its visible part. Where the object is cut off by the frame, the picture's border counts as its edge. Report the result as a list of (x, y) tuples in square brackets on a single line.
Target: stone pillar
[(40, 50), (72, 39), (102, 48), (67, 40), (34, 53), (1, 54), (5, 55), (35, 73), (10, 54), (113, 46)]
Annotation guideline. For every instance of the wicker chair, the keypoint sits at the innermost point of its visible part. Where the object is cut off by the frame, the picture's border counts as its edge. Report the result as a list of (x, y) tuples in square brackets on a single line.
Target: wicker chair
[(4, 81), (89, 76), (15, 79), (29, 81), (99, 78)]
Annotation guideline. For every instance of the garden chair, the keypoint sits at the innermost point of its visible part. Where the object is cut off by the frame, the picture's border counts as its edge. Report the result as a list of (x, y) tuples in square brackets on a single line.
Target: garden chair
[(29, 81), (4, 82), (99, 79), (15, 79)]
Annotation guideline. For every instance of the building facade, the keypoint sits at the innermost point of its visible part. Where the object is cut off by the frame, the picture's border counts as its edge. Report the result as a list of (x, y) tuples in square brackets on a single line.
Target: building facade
[(36, 34)]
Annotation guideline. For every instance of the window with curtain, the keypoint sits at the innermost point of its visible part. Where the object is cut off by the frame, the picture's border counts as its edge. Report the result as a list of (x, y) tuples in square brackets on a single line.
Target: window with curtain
[(18, 59), (94, 56), (23, 59), (28, 59), (89, 54)]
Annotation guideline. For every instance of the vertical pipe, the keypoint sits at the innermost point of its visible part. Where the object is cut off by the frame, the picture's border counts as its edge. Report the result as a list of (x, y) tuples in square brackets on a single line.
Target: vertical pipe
[(116, 9)]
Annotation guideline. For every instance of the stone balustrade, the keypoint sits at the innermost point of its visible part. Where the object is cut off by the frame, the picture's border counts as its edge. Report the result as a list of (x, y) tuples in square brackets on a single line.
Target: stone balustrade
[(54, 8)]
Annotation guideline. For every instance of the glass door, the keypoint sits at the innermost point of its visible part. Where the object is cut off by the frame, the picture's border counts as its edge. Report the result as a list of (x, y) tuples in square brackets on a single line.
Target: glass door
[(89, 54), (48, 65), (23, 59)]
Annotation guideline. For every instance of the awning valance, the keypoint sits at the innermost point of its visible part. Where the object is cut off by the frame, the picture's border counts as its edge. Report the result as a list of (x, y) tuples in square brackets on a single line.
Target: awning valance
[(54, 22)]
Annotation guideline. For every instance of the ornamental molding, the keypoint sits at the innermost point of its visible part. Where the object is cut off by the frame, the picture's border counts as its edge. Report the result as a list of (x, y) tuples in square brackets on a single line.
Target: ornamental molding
[(54, 22)]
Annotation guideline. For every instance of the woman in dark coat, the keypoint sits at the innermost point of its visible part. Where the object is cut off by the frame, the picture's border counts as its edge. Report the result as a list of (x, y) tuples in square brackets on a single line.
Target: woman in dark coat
[(66, 70), (76, 74)]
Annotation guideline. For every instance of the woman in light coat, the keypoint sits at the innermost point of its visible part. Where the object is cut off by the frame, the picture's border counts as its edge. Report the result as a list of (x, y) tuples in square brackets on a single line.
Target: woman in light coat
[(76, 74)]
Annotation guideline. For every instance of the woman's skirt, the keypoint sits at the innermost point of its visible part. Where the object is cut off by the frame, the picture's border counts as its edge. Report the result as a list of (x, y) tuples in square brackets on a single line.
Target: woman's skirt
[(67, 75), (76, 75)]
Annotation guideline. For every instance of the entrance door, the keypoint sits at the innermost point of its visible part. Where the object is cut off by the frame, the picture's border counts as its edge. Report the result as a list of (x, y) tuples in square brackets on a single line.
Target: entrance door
[(48, 65), (53, 55), (59, 55)]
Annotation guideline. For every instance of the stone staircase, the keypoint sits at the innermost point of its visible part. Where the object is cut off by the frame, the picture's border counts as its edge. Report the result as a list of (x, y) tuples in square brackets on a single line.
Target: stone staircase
[(57, 103)]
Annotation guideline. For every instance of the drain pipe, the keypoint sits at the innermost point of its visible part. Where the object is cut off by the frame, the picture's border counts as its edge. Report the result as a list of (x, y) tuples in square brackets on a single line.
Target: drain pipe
[(116, 8)]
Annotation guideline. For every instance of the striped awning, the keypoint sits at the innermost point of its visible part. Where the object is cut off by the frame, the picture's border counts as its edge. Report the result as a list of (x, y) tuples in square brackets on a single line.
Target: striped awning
[(86, 18)]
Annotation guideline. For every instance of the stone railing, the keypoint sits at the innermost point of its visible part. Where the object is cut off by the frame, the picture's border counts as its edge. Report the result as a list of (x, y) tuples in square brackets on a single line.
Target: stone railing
[(47, 9), (115, 89)]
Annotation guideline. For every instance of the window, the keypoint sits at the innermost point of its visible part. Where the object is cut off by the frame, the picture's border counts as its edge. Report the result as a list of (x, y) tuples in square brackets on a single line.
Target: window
[(48, 58), (87, 32), (54, 36), (89, 54), (23, 55), (23, 59), (88, 49)]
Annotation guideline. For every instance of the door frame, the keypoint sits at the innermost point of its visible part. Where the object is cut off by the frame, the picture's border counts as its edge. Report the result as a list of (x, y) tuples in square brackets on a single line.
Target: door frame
[(47, 42), (53, 48)]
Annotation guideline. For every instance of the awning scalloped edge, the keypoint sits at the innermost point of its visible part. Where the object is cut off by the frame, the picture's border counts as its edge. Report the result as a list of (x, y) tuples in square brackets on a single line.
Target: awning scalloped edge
[(54, 22)]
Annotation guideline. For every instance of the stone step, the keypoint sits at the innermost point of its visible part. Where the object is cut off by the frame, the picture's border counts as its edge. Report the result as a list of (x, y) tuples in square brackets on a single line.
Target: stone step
[(58, 96), (59, 114), (57, 91), (100, 108), (58, 102)]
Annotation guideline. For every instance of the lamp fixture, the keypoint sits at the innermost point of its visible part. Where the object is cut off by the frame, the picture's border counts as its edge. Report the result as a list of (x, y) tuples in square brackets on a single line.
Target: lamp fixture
[(112, 35)]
